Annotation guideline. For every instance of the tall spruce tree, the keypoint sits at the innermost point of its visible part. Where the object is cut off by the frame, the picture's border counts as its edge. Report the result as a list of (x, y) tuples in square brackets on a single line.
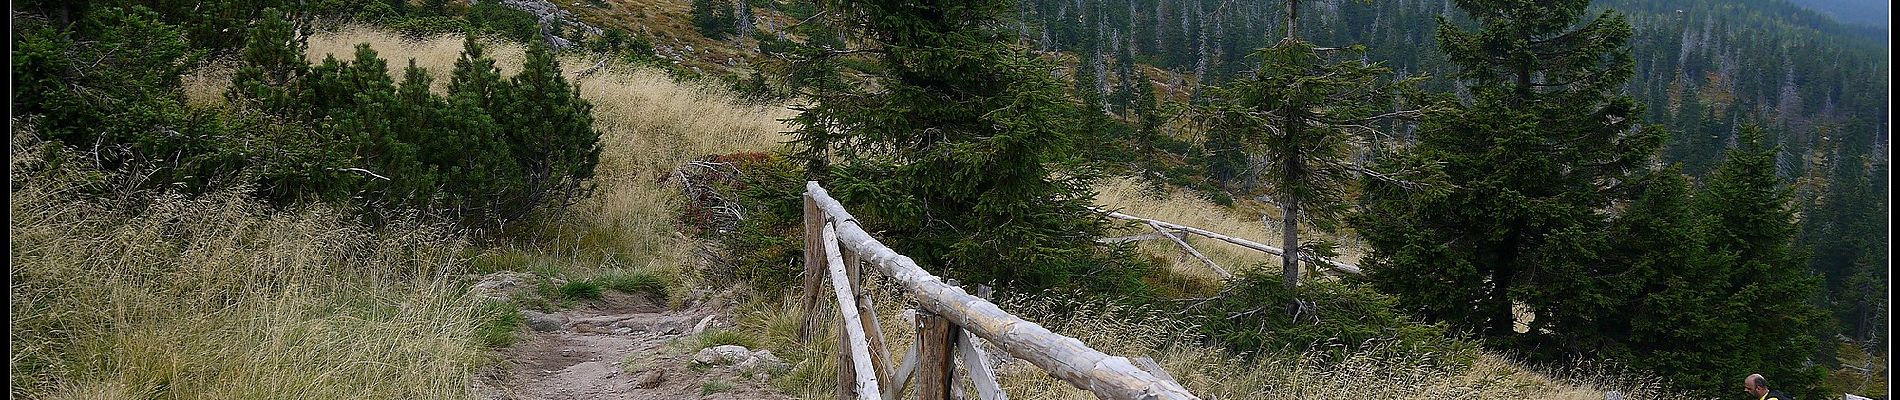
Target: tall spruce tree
[(1301, 117), (1535, 157), (960, 144), (1752, 230)]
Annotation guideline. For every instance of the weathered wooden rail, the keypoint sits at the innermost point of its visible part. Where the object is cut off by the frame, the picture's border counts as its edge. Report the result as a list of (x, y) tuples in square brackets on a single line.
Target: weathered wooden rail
[(836, 247), (1172, 231)]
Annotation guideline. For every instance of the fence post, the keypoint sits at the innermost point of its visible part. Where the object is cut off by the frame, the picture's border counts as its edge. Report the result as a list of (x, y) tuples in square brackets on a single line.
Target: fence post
[(867, 316), (814, 267), (847, 375), (936, 338)]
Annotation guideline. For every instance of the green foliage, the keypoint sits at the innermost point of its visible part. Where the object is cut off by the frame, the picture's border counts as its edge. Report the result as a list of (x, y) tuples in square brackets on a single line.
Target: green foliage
[(1531, 160), (1335, 318), (500, 325), (1846, 233), (509, 23), (1751, 235), (489, 153), (966, 151), (722, 337), (550, 133), (428, 25), (767, 247), (272, 59), (713, 18), (579, 290), (715, 386), (109, 86), (1302, 116), (1553, 205), (633, 282)]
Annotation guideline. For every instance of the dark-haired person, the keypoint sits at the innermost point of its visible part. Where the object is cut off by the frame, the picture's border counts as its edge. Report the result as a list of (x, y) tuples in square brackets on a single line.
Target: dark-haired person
[(1756, 385)]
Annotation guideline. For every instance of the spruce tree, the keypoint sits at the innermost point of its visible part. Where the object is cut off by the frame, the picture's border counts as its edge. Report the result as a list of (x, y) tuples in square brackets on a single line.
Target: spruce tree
[(1534, 158), (961, 145), (1752, 226), (1302, 115)]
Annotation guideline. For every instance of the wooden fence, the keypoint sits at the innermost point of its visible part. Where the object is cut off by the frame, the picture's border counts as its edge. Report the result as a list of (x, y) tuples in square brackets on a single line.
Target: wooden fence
[(835, 250), (1173, 231)]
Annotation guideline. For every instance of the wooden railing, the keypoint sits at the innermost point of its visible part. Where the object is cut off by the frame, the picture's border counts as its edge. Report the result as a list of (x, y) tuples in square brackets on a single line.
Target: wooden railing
[(1172, 231), (836, 248)]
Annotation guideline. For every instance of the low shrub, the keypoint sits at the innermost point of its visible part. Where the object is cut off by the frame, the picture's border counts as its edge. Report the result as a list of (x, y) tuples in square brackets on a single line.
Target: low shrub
[(1252, 316)]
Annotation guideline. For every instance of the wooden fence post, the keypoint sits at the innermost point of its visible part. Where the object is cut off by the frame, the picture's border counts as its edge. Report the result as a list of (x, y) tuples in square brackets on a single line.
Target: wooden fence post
[(854, 352), (867, 317), (936, 338), (814, 267)]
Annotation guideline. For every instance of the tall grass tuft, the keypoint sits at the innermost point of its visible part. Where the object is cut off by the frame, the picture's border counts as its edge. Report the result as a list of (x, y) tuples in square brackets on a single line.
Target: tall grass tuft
[(151, 295)]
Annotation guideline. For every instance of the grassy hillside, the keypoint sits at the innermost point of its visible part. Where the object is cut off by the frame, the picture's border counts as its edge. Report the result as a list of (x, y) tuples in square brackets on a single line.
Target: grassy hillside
[(220, 297), (147, 295)]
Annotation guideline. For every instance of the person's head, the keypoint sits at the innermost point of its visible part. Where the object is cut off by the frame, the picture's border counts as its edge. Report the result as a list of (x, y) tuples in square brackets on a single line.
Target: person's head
[(1755, 384)]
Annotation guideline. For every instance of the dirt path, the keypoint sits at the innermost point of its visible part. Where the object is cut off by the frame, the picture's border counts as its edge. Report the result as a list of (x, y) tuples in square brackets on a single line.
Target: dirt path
[(621, 347)]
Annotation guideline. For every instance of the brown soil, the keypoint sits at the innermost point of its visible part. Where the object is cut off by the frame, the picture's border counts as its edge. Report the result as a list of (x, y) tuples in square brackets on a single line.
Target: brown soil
[(621, 347)]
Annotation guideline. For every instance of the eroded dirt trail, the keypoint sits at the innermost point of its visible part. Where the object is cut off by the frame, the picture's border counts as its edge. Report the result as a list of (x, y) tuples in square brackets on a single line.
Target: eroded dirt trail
[(621, 347)]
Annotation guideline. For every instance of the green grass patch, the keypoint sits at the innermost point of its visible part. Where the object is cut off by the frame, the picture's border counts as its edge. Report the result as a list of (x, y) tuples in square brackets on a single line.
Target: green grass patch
[(500, 325), (721, 337), (715, 386), (633, 282), (579, 289)]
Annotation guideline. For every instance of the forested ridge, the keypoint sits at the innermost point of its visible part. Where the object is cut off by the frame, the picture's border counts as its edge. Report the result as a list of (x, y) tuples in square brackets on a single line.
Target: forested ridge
[(1808, 93)]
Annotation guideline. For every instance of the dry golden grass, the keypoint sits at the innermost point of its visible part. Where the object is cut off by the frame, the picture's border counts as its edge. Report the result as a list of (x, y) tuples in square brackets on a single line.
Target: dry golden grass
[(217, 297)]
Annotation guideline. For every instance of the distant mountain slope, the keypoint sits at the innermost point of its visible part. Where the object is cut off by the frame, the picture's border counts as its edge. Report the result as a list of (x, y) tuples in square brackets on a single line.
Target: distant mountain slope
[(1872, 13), (1703, 67)]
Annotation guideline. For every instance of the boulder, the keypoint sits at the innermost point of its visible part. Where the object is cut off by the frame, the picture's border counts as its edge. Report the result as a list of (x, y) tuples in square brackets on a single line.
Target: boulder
[(543, 322), (722, 355), (650, 379), (500, 285), (761, 360)]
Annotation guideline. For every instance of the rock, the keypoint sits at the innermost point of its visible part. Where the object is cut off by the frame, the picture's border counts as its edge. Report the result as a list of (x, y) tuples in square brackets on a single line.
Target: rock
[(766, 356), (761, 360), (706, 356), (649, 380), (598, 324), (722, 355), (702, 325), (499, 285), (659, 325), (543, 322)]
